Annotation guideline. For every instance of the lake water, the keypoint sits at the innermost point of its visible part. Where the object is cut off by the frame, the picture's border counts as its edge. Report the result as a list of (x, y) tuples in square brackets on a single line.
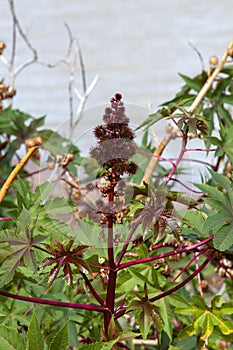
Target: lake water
[(137, 47)]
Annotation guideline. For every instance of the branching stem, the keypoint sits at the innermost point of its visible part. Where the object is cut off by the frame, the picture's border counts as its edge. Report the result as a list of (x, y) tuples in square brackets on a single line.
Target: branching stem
[(53, 302), (164, 255)]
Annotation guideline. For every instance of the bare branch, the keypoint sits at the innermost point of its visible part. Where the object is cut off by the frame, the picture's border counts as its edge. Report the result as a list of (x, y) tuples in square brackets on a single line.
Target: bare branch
[(73, 56), (82, 68), (21, 32)]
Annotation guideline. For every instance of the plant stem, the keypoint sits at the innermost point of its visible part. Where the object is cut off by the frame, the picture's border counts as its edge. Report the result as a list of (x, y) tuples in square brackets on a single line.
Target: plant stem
[(53, 302), (121, 312), (210, 80), (189, 263), (15, 172), (154, 160), (122, 253), (183, 149), (92, 290), (111, 288), (185, 186), (164, 255), (188, 279)]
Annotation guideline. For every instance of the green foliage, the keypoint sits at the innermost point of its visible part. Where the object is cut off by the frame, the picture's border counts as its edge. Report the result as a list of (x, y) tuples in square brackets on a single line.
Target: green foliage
[(10, 339), (206, 318), (220, 219), (35, 339), (61, 339), (133, 274)]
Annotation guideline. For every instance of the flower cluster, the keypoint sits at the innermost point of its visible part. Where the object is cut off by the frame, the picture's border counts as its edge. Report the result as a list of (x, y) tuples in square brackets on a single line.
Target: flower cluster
[(114, 149), (115, 146)]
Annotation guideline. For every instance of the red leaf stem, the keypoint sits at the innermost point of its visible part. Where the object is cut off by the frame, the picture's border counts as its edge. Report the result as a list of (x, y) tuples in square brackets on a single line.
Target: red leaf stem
[(164, 255), (53, 302)]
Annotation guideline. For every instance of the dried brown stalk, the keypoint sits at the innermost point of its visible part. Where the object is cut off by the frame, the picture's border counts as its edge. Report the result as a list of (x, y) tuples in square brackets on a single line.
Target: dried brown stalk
[(15, 172)]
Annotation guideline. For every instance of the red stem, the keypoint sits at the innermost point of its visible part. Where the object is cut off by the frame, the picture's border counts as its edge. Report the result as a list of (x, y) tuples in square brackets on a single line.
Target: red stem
[(53, 302), (180, 285), (189, 263), (111, 288), (164, 255), (183, 149), (123, 251), (92, 290), (185, 186), (157, 156)]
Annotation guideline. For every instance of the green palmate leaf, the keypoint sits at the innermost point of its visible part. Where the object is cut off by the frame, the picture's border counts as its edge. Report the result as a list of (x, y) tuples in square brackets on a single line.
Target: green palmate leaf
[(224, 182), (10, 339), (207, 318), (54, 228), (195, 222), (35, 340), (149, 314), (59, 205), (89, 233), (220, 221), (216, 221), (223, 238), (214, 193), (19, 247), (61, 339), (54, 142)]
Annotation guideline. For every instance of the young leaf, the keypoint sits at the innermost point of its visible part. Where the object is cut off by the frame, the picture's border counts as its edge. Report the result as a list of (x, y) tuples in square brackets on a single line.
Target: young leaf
[(61, 339), (35, 339), (207, 318), (145, 319), (63, 256), (10, 339)]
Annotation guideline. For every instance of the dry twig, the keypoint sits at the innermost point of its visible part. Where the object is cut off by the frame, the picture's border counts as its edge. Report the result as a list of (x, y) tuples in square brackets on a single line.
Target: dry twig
[(15, 172)]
